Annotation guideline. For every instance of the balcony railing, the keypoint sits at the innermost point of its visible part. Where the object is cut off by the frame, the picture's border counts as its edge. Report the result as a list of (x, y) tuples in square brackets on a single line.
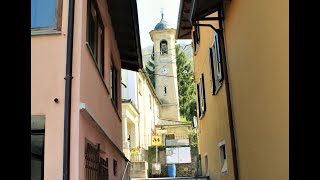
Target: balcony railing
[(138, 154)]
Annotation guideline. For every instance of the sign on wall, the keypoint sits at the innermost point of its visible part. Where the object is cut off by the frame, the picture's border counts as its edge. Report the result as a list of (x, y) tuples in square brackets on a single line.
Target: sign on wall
[(178, 155), (156, 141)]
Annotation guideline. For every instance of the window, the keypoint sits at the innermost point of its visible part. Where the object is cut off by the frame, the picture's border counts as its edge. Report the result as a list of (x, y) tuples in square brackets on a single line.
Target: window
[(196, 39), (150, 101), (115, 166), (215, 65), (140, 87), (37, 147), (46, 14), (223, 157), (113, 84), (163, 47), (165, 90), (201, 97), (95, 35), (96, 167), (206, 163)]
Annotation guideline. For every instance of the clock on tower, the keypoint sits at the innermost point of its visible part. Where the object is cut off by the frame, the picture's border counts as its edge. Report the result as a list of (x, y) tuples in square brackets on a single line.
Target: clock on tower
[(164, 70)]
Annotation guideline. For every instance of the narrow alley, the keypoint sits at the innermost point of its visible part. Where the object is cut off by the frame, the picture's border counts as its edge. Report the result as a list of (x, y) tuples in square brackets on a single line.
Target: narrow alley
[(159, 90)]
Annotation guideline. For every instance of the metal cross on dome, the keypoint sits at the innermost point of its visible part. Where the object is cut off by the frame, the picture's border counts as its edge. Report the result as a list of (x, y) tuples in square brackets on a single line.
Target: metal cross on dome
[(161, 12)]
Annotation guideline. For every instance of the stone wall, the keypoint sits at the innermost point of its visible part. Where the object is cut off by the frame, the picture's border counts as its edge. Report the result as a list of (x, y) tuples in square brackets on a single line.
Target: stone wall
[(182, 170), (139, 169), (186, 170)]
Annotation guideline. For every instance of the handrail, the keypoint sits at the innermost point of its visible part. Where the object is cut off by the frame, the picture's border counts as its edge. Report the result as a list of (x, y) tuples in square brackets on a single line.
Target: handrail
[(125, 170), (175, 178)]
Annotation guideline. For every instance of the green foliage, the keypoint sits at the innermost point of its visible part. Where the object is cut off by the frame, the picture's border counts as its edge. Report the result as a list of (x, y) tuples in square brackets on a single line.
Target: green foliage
[(193, 136), (183, 119), (186, 88), (152, 150)]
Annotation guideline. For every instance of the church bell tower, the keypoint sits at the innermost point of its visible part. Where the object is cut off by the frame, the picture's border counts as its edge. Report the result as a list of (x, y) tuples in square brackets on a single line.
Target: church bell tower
[(165, 69)]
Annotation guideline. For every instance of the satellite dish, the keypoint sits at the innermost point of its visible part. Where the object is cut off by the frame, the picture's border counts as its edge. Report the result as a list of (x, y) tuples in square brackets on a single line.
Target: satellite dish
[(195, 122)]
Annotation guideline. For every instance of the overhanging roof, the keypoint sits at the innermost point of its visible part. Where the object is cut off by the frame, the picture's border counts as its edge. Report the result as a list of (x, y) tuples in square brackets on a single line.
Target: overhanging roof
[(124, 17), (193, 10), (184, 26)]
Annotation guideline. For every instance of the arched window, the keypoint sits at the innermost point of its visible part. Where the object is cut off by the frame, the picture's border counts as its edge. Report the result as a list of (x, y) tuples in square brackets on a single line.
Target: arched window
[(163, 47)]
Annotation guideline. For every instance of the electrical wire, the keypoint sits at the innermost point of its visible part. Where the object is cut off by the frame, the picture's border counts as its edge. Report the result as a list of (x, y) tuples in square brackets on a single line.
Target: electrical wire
[(172, 59), (183, 47)]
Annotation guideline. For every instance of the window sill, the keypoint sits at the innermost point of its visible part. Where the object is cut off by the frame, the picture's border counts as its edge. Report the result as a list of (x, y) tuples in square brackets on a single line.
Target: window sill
[(224, 173), (45, 32), (202, 115)]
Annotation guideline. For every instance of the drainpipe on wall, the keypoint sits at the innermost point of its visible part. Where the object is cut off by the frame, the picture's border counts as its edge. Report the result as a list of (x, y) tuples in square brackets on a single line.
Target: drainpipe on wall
[(226, 78), (67, 104)]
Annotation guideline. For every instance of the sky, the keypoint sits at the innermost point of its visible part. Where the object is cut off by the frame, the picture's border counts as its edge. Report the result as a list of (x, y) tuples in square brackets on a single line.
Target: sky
[(149, 14)]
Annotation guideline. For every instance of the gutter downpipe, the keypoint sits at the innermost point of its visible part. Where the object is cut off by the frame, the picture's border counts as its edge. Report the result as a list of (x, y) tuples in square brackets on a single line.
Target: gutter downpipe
[(67, 104), (125, 170), (231, 125), (226, 78)]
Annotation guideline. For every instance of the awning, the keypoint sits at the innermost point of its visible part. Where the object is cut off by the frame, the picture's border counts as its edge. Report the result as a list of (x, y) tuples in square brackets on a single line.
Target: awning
[(124, 17), (184, 26), (193, 10)]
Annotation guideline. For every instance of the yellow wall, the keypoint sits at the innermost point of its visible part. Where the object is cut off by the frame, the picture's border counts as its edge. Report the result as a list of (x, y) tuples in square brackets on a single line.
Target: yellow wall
[(256, 38), (256, 43), (213, 126)]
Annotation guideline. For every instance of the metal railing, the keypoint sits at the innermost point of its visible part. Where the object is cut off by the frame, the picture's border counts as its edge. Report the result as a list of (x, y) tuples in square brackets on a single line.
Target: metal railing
[(138, 154), (96, 167), (175, 178)]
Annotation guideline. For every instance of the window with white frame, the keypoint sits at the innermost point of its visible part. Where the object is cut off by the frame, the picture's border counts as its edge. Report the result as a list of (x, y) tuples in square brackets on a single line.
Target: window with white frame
[(206, 164), (215, 65), (223, 157), (140, 87), (150, 101), (201, 97)]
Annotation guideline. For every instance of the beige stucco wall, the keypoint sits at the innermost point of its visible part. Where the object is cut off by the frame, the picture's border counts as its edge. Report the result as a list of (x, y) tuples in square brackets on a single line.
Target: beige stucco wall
[(94, 91), (180, 132), (168, 80), (48, 64), (90, 131), (48, 59), (148, 116), (129, 128), (256, 41), (257, 46)]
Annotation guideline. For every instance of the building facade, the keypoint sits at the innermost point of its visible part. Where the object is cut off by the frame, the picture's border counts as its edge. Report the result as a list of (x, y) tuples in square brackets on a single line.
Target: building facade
[(165, 72), (140, 113), (241, 71), (77, 56)]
